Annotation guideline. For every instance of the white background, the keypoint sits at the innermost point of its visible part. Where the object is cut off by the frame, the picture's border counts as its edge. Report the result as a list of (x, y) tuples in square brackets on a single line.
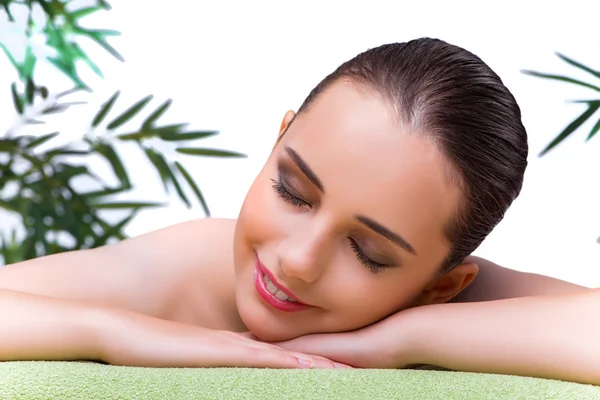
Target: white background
[(237, 66)]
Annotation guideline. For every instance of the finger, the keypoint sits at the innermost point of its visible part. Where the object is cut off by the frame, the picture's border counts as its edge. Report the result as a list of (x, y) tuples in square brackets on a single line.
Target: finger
[(257, 357), (312, 361), (336, 347), (333, 362), (316, 361)]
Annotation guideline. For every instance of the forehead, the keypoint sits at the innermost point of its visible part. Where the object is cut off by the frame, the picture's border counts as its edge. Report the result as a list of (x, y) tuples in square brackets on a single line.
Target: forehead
[(370, 164)]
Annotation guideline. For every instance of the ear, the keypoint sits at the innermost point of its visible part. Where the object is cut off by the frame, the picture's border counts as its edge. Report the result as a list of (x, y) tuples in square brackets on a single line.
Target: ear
[(446, 287), (287, 120)]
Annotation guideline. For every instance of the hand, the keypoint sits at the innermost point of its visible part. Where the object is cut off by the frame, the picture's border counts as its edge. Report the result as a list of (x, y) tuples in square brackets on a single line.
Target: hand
[(139, 340), (384, 344)]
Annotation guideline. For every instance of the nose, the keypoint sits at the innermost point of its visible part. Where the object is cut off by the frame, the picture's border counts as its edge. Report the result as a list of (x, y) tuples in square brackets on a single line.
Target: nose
[(304, 254)]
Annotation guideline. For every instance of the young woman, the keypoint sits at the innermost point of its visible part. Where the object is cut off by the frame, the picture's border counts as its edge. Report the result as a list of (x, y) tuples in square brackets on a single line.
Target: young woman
[(351, 249)]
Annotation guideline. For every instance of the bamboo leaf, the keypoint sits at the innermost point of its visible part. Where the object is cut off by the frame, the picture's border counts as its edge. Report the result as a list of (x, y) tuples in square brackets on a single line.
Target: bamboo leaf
[(84, 12), (70, 72), (12, 59), (578, 65), (179, 189), (562, 79), (114, 230), (79, 53), (29, 90), (47, 8), (194, 187), (143, 134), (173, 137), (67, 172), (99, 39), (6, 4), (125, 205), (173, 128), (104, 192), (594, 130), (161, 166), (65, 151), (55, 109), (29, 63), (9, 145), (129, 113), (41, 140), (99, 117), (115, 161), (208, 152), (106, 226), (593, 106), (68, 92), (17, 101), (104, 4), (156, 114), (43, 90), (102, 32)]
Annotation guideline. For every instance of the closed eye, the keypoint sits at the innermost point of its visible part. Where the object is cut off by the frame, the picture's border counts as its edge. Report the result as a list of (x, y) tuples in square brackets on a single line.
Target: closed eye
[(372, 265), (283, 192)]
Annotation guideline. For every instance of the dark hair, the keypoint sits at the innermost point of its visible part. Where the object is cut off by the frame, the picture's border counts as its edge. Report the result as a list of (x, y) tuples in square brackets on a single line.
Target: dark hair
[(451, 95)]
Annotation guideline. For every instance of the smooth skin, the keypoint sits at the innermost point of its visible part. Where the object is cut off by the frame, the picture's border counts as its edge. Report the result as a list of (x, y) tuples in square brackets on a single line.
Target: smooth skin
[(184, 295)]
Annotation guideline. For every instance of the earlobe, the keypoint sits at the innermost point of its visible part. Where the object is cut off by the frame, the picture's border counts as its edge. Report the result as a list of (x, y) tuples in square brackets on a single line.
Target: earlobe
[(448, 286)]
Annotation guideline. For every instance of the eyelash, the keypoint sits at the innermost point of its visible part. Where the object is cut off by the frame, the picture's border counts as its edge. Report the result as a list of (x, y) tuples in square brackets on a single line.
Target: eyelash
[(373, 266), (285, 194)]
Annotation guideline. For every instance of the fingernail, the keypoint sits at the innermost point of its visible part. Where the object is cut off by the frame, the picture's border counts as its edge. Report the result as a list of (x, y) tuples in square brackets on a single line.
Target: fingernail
[(304, 363), (338, 365)]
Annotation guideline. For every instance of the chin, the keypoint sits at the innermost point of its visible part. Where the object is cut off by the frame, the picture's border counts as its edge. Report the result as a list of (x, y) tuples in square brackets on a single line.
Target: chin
[(267, 335), (264, 325)]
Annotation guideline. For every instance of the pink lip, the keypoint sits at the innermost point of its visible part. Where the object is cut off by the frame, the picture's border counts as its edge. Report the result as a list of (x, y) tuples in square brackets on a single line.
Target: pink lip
[(261, 287)]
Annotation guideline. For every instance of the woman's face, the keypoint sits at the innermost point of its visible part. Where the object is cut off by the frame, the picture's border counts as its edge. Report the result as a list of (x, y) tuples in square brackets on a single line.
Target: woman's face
[(347, 216)]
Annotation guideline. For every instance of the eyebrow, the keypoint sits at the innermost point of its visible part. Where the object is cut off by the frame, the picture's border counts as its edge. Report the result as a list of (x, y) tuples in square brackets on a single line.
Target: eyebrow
[(387, 233), (306, 170), (373, 225)]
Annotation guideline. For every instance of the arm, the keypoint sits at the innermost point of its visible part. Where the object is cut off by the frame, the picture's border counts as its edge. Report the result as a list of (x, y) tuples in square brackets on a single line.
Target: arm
[(552, 336), (495, 283), (107, 305), (494, 328), (51, 307), (40, 328)]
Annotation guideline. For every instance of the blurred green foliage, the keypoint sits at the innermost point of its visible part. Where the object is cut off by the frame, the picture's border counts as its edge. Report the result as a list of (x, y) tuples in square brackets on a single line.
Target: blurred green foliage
[(38, 186), (591, 106), (590, 113)]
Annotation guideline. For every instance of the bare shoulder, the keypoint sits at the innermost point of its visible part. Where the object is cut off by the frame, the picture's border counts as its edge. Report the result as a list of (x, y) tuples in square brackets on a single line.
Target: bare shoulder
[(139, 273), (179, 245), (495, 282)]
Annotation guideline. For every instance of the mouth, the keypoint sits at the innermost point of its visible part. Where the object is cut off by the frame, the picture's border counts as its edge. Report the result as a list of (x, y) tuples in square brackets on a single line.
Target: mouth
[(273, 293)]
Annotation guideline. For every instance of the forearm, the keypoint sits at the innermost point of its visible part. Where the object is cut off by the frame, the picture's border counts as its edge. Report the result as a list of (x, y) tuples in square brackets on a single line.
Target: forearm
[(43, 328), (555, 337)]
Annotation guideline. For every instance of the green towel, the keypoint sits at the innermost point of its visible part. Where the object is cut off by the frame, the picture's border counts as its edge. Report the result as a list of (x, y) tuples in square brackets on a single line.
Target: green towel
[(89, 381)]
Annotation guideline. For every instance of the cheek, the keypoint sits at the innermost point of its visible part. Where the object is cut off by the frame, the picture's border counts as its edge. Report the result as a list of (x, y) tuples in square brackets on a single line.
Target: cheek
[(362, 298), (259, 219)]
